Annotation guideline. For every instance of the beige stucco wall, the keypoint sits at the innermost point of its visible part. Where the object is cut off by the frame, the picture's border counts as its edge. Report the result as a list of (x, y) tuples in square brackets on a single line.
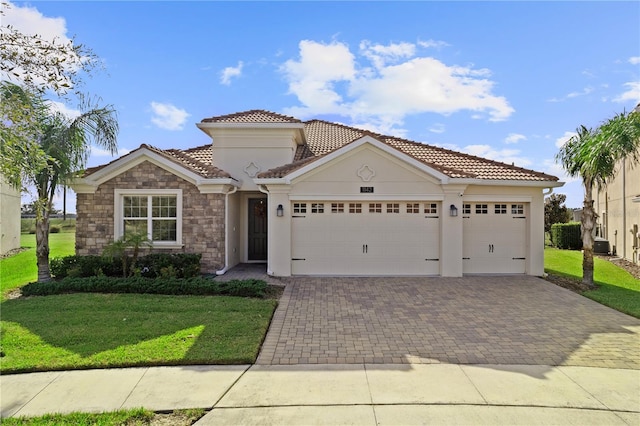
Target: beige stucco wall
[(395, 179), (619, 216), (243, 153), (9, 217), (203, 225)]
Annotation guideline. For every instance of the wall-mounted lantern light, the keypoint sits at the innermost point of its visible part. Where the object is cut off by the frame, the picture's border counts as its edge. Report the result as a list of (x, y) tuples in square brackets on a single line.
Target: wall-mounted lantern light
[(280, 211), (453, 211)]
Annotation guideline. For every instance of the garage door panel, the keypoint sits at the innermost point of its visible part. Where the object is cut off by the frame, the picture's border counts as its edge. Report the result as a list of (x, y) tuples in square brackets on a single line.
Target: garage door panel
[(365, 243), (494, 236)]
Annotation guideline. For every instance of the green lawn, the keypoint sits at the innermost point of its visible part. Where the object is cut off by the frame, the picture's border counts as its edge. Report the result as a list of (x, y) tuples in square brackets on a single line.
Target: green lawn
[(114, 330), (21, 269), (617, 288)]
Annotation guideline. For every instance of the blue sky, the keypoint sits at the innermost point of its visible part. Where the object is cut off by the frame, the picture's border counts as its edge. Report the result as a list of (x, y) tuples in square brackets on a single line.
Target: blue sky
[(508, 81)]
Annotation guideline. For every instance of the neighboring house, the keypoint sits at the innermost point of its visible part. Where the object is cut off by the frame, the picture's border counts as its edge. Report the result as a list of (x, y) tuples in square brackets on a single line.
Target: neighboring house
[(9, 217), (618, 209), (318, 198)]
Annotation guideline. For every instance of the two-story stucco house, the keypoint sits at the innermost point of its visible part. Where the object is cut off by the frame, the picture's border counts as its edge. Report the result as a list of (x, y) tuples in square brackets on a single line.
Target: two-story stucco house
[(319, 198)]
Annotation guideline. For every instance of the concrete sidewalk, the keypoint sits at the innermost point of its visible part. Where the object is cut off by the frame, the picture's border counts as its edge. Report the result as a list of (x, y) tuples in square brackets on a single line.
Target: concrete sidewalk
[(367, 394)]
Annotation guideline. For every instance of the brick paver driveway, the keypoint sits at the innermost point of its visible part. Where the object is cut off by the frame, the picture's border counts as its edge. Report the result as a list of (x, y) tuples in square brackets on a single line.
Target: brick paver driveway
[(484, 320)]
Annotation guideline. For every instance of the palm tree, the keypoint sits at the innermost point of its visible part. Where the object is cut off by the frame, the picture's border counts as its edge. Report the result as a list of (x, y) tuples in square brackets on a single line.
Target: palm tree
[(63, 146), (593, 155)]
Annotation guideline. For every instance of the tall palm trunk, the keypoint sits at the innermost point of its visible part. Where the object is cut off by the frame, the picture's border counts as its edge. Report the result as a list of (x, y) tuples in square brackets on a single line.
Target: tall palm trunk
[(42, 240), (588, 219)]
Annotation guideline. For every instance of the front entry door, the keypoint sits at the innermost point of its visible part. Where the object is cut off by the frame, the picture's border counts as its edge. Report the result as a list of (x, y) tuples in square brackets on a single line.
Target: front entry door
[(257, 238)]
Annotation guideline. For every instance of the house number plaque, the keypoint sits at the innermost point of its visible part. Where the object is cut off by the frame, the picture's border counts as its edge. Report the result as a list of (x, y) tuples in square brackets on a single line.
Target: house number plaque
[(366, 189)]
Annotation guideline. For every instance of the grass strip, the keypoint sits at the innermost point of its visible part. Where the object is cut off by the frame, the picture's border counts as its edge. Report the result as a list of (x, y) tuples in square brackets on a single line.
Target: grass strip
[(133, 417)]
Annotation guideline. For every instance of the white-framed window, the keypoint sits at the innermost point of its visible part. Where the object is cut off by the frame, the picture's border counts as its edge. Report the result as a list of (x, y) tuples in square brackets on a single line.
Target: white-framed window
[(337, 207), (431, 208), (413, 207), (393, 207), (375, 207), (500, 209), (466, 209), (154, 212), (317, 207), (517, 208), (355, 207), (482, 209), (299, 207)]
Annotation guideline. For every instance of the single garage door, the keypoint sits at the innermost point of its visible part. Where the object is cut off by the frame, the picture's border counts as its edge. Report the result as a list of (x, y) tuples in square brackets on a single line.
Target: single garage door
[(365, 238), (494, 238)]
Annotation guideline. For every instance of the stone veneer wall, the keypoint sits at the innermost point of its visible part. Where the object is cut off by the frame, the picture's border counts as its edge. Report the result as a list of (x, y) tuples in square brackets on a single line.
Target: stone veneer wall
[(202, 215)]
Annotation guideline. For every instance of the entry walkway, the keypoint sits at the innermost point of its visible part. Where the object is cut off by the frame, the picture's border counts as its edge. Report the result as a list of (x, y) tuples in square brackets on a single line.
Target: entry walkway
[(365, 394)]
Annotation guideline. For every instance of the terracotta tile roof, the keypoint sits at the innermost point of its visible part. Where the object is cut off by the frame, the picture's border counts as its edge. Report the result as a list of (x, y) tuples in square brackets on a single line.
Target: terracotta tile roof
[(252, 116), (323, 137), (198, 160)]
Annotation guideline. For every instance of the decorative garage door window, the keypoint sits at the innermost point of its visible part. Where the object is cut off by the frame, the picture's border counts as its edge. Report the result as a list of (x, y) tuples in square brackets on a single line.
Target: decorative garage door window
[(337, 207), (155, 216), (517, 208), (501, 209), (393, 207)]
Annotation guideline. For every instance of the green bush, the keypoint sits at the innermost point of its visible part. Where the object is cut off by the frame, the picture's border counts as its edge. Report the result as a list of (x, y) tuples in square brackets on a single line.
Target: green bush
[(141, 285), (155, 265), (54, 230), (566, 236)]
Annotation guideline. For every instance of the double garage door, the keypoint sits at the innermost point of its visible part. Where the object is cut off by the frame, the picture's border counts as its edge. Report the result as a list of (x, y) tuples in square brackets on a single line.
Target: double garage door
[(365, 238)]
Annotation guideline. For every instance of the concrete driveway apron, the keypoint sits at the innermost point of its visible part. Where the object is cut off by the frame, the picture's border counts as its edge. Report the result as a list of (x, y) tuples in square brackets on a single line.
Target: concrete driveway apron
[(470, 320)]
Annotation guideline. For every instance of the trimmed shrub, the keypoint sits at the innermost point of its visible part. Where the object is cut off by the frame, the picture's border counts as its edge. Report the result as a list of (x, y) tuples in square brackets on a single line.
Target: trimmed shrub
[(54, 230), (141, 285), (178, 265), (566, 236)]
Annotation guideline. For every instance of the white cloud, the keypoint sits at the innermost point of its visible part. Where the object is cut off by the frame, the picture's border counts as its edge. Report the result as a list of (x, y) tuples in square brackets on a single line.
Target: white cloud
[(29, 21), (587, 90), (230, 72), (514, 138), (433, 43), (564, 138), (167, 116), (101, 152), (631, 94), (381, 55), (634, 60), (330, 79), (437, 128), (509, 156), (63, 109)]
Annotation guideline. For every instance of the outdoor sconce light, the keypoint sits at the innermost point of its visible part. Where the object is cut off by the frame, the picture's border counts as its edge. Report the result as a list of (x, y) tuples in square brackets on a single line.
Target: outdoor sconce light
[(280, 211), (453, 211)]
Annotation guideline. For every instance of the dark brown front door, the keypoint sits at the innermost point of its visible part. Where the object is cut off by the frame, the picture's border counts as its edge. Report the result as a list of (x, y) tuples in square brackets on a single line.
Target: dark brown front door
[(257, 229)]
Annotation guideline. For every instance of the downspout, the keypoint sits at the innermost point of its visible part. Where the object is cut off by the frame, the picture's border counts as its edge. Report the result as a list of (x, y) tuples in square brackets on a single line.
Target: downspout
[(264, 190), (548, 192), (226, 230)]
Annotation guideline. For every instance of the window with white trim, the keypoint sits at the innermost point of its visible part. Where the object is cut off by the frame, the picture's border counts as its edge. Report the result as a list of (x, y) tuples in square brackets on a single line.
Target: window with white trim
[(500, 209), (393, 207), (517, 208), (413, 207), (317, 207), (482, 209), (154, 213), (337, 207), (375, 207), (299, 207), (466, 209), (431, 208), (355, 207)]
